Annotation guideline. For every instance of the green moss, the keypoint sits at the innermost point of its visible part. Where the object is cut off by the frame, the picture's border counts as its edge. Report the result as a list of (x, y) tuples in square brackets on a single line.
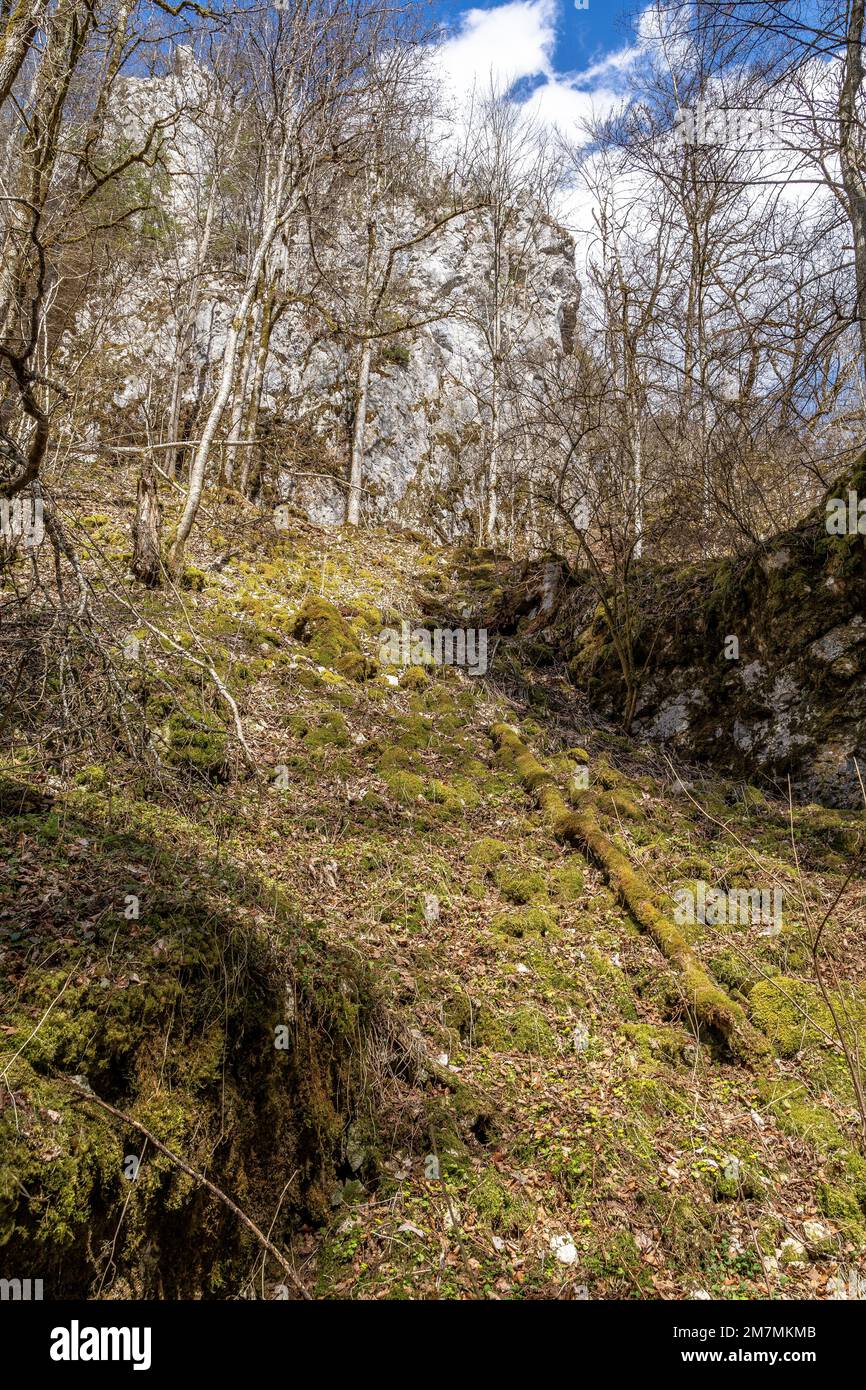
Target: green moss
[(94, 777), (520, 886), (405, 787), (414, 678), (472, 769), (395, 758), (619, 803), (843, 1184), (458, 1013), (330, 639), (487, 852), (465, 794), (733, 1184), (733, 972), (712, 1007), (657, 1042), (196, 745), (525, 1030), (193, 579), (417, 731), (328, 731), (102, 537), (366, 616), (499, 1209), (356, 667), (840, 1203), (446, 798), (569, 881), (790, 1012), (607, 776), (395, 355), (436, 699), (525, 921)]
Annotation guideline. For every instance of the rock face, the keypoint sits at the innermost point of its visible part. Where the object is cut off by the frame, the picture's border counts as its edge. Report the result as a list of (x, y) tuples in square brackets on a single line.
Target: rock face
[(756, 665), (427, 414)]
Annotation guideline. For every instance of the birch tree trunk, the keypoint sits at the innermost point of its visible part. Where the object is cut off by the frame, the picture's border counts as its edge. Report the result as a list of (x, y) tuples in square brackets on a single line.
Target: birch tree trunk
[(199, 465)]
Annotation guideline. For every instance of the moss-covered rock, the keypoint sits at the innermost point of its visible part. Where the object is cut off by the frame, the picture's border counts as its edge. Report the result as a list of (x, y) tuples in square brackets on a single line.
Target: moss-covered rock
[(791, 700), (405, 787), (414, 678), (331, 640), (329, 730), (569, 880), (238, 1053)]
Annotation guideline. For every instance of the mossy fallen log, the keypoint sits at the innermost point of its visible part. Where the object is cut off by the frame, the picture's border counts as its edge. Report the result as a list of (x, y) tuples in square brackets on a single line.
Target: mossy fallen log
[(707, 1001)]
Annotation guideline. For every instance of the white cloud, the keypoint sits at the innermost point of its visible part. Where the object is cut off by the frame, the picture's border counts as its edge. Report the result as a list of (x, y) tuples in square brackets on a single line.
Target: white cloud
[(611, 66), (516, 40), (507, 42), (559, 103)]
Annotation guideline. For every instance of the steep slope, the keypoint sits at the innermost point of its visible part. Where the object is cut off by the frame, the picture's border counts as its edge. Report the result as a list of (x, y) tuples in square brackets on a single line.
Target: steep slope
[(497, 1077)]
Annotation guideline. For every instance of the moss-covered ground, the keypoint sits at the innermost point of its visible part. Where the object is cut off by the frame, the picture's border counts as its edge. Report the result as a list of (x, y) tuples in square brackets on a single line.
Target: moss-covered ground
[(489, 1080)]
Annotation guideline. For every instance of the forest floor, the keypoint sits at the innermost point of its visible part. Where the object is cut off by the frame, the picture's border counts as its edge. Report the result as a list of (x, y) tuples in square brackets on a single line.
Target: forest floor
[(358, 980)]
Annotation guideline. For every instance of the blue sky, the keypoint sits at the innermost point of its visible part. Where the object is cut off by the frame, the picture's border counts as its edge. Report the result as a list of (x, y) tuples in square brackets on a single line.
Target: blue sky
[(561, 61), (583, 37)]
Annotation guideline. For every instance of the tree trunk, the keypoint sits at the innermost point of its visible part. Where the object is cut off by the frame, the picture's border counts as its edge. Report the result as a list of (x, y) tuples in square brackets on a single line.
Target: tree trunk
[(20, 29), (198, 468), (637, 460), (186, 326), (491, 520), (251, 464), (227, 466), (147, 529), (852, 150), (356, 471)]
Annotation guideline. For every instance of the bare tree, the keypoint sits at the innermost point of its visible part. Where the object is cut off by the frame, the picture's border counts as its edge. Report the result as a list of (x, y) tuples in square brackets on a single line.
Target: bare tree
[(308, 67), (512, 170)]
